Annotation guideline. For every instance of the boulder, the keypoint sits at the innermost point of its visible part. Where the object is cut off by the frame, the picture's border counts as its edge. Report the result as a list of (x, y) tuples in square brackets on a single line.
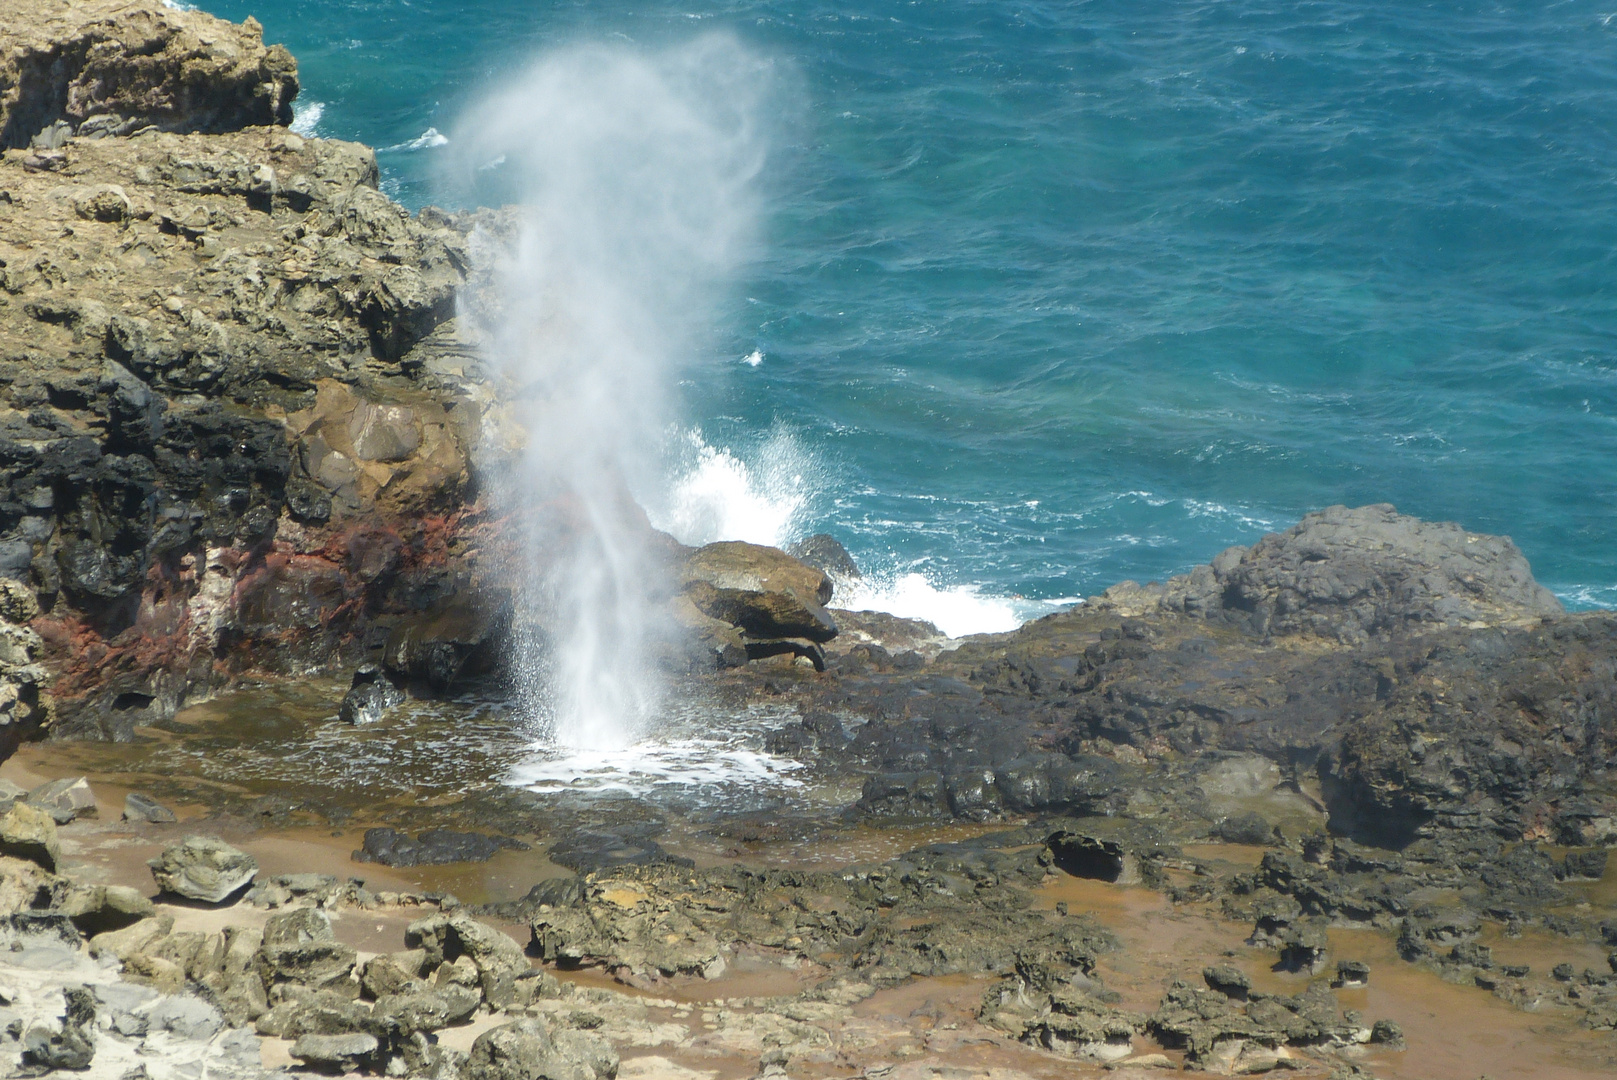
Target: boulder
[(26, 832), (826, 554), (447, 938), (1356, 574), (203, 868), (65, 799), (96, 909), (393, 973), (73, 1046), (336, 1053), (762, 590), (138, 807), (79, 66), (459, 639), (370, 695), (531, 1049), (425, 1009), (300, 947)]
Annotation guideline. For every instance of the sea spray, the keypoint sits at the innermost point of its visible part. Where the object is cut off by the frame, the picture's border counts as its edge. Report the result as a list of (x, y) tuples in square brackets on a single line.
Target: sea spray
[(636, 174)]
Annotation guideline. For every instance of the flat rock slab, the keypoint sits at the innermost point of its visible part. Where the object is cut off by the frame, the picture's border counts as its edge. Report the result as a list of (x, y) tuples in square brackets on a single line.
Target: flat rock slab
[(203, 868), (433, 847)]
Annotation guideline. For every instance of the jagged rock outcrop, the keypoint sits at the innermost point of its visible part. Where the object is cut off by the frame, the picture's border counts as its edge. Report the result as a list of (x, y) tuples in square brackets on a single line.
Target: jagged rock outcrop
[(105, 67), (1355, 574), (217, 454)]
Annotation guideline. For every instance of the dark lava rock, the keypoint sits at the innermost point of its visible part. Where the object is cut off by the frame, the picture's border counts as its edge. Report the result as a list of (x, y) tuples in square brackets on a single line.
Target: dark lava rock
[(432, 847), (825, 553), (459, 640), (1249, 828), (370, 695), (586, 851)]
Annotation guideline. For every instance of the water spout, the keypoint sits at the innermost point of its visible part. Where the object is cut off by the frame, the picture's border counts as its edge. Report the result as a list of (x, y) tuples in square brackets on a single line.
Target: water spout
[(635, 172)]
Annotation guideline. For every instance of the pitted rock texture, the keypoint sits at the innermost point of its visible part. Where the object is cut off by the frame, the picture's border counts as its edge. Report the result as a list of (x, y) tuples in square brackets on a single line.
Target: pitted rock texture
[(215, 454), (1354, 574), (122, 65)]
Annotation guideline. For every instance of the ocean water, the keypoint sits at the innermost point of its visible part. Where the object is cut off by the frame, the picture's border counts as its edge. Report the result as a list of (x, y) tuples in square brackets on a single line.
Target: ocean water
[(1051, 295)]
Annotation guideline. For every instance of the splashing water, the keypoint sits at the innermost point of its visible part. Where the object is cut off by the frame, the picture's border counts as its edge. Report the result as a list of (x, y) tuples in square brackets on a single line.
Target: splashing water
[(716, 495), (636, 172)]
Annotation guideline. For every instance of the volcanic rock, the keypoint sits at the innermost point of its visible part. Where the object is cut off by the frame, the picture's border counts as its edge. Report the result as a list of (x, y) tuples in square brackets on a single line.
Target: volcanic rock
[(26, 832), (138, 807), (825, 553), (300, 947), (335, 1053), (65, 799), (203, 868), (533, 1049), (433, 847), (762, 590), (108, 67), (1356, 574), (370, 695)]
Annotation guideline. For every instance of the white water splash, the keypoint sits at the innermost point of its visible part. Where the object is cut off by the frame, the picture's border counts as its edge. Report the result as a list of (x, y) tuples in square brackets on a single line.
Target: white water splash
[(306, 117), (956, 610), (716, 495), (635, 170)]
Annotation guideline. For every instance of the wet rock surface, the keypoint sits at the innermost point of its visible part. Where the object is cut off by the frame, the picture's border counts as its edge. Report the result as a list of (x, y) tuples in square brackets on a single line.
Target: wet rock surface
[(432, 847)]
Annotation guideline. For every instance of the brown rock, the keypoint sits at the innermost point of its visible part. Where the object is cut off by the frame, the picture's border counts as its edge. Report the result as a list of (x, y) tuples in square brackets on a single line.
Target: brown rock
[(129, 65)]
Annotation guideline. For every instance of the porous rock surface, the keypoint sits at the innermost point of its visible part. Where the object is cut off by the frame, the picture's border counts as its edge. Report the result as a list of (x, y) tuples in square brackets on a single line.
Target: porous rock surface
[(216, 455), (126, 65), (1354, 574)]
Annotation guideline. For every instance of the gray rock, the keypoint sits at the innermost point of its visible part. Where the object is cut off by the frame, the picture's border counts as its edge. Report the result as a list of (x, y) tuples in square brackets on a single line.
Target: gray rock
[(299, 947), (447, 938), (72, 1047), (26, 832), (531, 1049), (825, 553), (392, 973), (203, 868), (186, 1017), (335, 1053), (10, 792), (369, 696), (138, 807), (426, 1008), (1353, 574), (122, 1006), (64, 799), (313, 1012)]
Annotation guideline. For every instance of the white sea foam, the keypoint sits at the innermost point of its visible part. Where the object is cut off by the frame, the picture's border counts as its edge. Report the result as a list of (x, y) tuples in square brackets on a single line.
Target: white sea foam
[(957, 610), (306, 116), (427, 140), (715, 495), (754, 358), (703, 750)]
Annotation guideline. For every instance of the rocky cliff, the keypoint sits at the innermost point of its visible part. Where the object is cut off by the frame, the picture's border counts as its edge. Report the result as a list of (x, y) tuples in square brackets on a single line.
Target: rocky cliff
[(218, 454), (104, 67)]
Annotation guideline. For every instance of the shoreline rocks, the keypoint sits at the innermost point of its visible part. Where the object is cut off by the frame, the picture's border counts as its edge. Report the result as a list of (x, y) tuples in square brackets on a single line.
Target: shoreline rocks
[(203, 868)]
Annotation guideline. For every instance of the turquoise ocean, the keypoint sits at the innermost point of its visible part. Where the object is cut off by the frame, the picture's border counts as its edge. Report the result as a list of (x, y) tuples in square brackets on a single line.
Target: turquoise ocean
[(1051, 295)]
